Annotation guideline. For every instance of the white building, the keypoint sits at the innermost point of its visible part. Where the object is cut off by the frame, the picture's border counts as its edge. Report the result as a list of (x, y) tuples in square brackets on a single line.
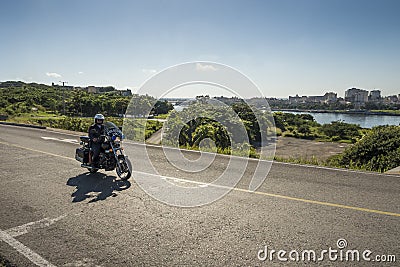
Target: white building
[(356, 96), (375, 95)]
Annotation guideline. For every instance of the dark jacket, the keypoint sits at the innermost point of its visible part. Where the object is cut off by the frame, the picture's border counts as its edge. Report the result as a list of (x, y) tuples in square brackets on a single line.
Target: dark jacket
[(95, 131)]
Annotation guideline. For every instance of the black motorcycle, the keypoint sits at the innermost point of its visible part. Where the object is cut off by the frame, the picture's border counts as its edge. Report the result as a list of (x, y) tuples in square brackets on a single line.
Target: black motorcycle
[(111, 155)]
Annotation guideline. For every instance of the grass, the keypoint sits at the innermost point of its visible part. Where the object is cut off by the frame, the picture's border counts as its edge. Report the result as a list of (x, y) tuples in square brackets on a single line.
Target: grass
[(330, 163), (300, 160), (387, 111), (162, 116)]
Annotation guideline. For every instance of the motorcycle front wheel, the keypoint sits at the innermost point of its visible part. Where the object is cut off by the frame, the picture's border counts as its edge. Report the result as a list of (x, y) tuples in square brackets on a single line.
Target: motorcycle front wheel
[(124, 168)]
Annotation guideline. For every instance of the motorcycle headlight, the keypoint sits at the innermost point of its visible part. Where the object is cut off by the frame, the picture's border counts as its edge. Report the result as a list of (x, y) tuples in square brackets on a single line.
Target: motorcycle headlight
[(105, 146)]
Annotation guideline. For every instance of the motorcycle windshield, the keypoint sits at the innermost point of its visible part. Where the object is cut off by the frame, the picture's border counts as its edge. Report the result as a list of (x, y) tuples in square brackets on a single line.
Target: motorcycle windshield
[(111, 128)]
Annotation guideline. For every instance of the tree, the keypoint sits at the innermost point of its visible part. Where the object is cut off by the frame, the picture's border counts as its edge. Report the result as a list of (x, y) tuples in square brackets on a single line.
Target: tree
[(162, 107)]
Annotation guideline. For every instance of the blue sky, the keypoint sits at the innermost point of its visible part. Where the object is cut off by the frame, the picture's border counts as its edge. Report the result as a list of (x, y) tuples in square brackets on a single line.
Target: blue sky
[(286, 47)]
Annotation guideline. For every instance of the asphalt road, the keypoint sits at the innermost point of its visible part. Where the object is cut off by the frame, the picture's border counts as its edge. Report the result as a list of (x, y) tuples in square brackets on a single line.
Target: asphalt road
[(53, 213)]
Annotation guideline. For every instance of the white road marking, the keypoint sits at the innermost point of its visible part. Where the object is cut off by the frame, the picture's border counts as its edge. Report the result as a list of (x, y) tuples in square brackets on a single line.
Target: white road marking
[(25, 228), (8, 237), (73, 141), (24, 250)]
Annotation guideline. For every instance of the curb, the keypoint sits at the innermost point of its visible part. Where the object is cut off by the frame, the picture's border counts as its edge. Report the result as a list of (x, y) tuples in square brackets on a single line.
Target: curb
[(394, 171), (22, 125)]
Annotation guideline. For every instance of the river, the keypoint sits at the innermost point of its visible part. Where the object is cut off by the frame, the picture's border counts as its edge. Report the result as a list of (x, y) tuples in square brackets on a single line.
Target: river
[(365, 121)]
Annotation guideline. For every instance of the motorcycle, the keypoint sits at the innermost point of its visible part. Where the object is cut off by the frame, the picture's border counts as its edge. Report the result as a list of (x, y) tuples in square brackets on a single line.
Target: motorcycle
[(111, 155)]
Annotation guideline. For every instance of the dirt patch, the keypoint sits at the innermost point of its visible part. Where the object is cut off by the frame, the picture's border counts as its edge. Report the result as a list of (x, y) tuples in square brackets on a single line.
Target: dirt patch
[(289, 147)]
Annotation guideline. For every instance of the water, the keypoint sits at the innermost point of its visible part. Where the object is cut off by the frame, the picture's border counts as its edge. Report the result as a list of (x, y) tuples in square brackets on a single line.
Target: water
[(365, 121), (179, 108)]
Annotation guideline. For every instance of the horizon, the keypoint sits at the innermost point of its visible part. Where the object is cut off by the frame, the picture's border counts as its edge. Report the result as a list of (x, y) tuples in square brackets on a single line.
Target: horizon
[(286, 47), (216, 95)]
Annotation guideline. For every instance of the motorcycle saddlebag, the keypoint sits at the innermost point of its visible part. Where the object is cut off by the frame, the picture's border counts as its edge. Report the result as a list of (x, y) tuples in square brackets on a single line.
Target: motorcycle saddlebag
[(82, 155)]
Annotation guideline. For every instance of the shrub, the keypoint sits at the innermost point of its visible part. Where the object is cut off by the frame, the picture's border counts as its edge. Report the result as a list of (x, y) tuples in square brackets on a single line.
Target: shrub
[(342, 130), (378, 150)]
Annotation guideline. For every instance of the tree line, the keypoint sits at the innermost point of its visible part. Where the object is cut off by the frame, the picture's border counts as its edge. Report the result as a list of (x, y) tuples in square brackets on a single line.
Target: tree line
[(18, 98)]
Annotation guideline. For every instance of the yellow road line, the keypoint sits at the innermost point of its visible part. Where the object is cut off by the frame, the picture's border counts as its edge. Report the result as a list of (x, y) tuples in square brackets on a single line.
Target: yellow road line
[(322, 203)]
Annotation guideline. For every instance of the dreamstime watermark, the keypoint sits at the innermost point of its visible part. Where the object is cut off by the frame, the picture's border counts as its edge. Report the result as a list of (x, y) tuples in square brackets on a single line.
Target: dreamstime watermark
[(340, 253), (218, 127)]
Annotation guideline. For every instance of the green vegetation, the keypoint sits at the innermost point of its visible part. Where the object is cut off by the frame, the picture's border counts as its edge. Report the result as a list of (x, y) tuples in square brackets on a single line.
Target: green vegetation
[(338, 131), (30, 98), (378, 150), (133, 128), (43, 105), (301, 160), (304, 126), (225, 130), (140, 129), (162, 107), (386, 111), (18, 99)]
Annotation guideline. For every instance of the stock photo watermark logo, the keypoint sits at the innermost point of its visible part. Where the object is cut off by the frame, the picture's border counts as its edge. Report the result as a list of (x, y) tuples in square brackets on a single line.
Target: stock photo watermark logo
[(205, 123), (339, 253)]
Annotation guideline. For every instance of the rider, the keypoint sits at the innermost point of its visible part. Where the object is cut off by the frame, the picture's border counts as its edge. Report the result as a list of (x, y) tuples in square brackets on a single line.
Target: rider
[(95, 131)]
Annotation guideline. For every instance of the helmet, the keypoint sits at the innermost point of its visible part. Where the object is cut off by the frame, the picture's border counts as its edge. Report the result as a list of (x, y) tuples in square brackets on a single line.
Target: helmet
[(98, 117)]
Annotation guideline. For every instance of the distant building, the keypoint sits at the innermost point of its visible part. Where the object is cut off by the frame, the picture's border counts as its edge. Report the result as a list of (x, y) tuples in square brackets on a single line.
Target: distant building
[(228, 100), (297, 99), (99, 90), (393, 99), (331, 97), (126, 92), (356, 96), (315, 99), (200, 97), (375, 95), (327, 98)]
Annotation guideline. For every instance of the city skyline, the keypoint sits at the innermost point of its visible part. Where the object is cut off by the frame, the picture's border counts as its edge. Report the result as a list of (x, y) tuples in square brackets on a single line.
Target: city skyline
[(285, 47), (101, 89)]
